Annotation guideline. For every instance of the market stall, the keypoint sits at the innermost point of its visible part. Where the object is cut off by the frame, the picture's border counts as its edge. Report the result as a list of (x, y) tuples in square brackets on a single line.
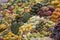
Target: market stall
[(29, 19)]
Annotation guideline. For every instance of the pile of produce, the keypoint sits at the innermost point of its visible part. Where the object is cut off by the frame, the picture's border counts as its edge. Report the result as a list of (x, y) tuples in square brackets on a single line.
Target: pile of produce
[(29, 19)]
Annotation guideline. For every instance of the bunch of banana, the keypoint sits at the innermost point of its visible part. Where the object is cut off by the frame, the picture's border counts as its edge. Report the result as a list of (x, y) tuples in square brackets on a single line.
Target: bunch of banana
[(26, 27), (11, 36), (56, 3), (3, 27)]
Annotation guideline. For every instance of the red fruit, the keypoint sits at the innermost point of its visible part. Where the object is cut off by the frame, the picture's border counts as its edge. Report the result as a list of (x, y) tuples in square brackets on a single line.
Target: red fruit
[(9, 11), (49, 13), (11, 7), (1, 38), (19, 4), (51, 8), (40, 13)]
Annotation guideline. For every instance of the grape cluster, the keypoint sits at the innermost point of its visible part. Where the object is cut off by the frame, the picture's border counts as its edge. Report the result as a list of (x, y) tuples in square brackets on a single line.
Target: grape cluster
[(46, 11), (56, 32), (44, 26), (42, 9)]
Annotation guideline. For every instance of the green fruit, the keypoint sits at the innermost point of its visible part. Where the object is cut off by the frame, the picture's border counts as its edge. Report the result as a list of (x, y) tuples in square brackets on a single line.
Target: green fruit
[(15, 26), (35, 9), (26, 17)]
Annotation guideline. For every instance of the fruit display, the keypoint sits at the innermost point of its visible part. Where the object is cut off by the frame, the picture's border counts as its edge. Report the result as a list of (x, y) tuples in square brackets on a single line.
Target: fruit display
[(29, 19)]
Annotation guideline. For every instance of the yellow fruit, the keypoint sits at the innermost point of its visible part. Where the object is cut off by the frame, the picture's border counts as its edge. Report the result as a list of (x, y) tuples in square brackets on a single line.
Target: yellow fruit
[(42, 35), (2, 26), (27, 9), (27, 29), (4, 38), (58, 5), (7, 37), (19, 37), (23, 29), (7, 14), (43, 32), (15, 36), (55, 2), (10, 33)]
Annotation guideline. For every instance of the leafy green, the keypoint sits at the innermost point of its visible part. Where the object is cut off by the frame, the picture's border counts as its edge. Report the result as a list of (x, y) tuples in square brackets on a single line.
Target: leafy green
[(25, 17)]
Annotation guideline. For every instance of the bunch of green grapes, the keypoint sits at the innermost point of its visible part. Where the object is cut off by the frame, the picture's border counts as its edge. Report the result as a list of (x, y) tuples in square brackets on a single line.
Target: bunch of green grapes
[(44, 26)]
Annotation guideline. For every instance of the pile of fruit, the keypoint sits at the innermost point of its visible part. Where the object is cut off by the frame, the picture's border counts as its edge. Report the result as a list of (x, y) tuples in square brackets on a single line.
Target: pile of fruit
[(29, 19)]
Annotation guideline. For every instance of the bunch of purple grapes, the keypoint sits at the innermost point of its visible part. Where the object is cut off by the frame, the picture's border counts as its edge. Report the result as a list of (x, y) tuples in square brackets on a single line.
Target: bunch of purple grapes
[(56, 32), (46, 11)]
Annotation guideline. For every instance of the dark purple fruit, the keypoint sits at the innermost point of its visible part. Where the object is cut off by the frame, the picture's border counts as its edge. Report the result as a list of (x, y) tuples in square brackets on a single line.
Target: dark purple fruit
[(51, 8), (48, 13), (40, 13)]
